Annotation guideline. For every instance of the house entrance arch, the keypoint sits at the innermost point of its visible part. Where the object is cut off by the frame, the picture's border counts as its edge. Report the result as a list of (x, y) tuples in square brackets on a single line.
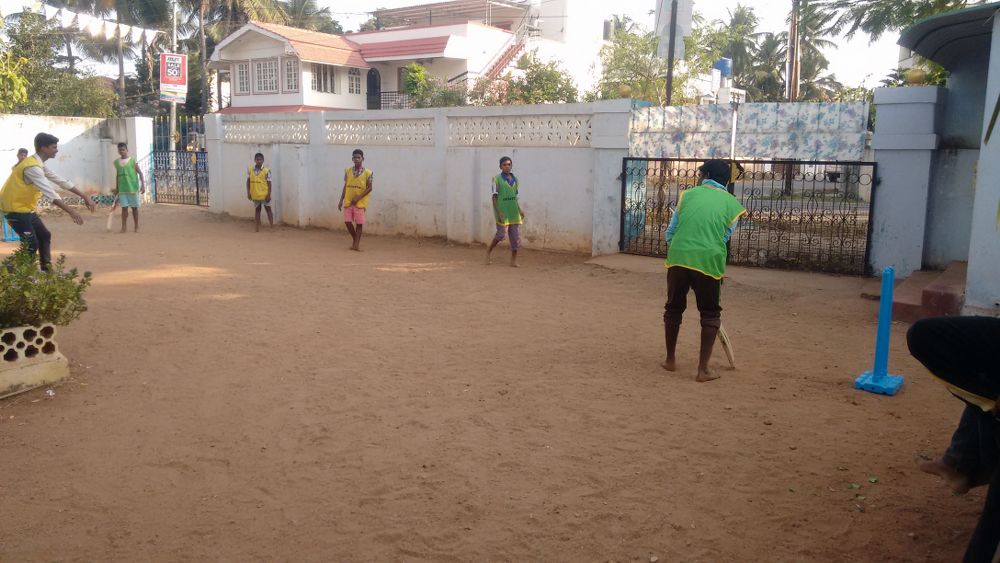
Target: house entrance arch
[(374, 89)]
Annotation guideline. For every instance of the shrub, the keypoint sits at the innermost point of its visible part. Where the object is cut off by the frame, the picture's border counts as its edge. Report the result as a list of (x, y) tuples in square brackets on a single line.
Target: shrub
[(29, 296)]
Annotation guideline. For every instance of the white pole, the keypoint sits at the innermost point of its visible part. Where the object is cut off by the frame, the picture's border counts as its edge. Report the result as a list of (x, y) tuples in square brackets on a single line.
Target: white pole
[(173, 49)]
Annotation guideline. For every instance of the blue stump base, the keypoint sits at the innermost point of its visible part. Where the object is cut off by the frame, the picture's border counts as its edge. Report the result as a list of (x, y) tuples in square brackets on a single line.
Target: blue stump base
[(882, 384)]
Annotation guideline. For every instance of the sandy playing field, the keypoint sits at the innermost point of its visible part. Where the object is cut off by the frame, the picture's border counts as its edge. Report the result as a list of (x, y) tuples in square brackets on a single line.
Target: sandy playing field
[(277, 397)]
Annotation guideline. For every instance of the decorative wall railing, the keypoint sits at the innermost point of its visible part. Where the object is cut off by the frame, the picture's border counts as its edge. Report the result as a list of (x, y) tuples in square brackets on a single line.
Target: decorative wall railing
[(804, 215)]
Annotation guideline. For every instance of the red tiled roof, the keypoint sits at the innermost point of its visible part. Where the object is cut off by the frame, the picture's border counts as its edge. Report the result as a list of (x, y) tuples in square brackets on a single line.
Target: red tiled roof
[(275, 109), (316, 47), (406, 47)]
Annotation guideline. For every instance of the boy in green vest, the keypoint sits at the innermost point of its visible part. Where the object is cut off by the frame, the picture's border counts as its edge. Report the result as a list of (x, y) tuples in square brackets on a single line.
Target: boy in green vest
[(28, 181), (705, 218), (506, 210), (128, 179)]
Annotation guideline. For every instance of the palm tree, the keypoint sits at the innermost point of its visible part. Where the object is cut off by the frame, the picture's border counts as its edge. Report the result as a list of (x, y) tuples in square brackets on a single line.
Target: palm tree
[(741, 32), (306, 14), (814, 84), (226, 16), (767, 82)]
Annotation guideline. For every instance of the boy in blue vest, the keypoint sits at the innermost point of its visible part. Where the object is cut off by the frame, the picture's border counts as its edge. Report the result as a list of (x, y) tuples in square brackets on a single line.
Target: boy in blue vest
[(507, 210), (706, 217)]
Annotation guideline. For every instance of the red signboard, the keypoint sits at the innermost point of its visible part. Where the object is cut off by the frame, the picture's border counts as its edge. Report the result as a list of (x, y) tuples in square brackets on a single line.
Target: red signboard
[(173, 77)]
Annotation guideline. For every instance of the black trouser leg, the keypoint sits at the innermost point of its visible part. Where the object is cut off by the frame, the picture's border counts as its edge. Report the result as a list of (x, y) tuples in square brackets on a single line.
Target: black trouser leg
[(29, 226)]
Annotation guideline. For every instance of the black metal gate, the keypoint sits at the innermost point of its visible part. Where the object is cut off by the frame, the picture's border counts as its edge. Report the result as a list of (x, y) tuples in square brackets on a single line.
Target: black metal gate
[(180, 165), (803, 215), (180, 177)]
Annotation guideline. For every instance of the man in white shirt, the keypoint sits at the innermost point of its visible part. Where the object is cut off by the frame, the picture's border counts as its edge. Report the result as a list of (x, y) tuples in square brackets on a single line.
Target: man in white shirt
[(28, 181)]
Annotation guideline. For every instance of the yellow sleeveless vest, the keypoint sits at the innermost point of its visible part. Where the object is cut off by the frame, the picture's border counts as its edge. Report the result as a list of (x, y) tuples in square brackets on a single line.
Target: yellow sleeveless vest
[(17, 195), (258, 184), (356, 185)]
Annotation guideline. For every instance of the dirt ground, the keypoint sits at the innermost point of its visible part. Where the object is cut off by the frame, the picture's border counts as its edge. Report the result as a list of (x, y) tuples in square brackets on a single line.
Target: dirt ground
[(276, 397)]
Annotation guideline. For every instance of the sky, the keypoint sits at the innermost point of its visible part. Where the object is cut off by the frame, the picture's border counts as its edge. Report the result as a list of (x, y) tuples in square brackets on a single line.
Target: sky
[(855, 62)]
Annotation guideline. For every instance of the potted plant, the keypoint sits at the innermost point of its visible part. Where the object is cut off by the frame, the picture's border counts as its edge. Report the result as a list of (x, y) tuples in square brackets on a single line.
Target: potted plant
[(32, 304)]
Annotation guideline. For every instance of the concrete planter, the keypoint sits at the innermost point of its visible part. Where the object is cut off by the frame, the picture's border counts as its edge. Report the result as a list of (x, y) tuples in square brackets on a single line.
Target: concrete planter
[(29, 358)]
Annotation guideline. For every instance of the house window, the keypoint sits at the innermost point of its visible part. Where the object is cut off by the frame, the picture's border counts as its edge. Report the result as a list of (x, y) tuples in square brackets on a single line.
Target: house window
[(354, 81), (265, 77), (324, 78), (242, 78), (291, 75)]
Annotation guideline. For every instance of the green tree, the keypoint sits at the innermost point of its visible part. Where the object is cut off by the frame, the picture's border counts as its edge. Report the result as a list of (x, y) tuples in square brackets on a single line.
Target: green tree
[(740, 35), (535, 82), (306, 14), (541, 82), (767, 82), (629, 60), (427, 91), (876, 17), (13, 84)]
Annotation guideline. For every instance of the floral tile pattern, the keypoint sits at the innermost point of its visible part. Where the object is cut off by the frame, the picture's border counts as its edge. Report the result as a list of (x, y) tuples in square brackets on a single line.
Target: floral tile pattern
[(805, 131)]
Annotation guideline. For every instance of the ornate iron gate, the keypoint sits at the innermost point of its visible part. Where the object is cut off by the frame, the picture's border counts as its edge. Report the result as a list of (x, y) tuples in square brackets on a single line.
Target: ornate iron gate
[(180, 165), (803, 215), (180, 177)]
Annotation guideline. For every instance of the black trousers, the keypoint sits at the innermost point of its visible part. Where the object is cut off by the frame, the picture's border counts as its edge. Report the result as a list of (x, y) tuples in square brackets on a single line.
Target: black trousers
[(963, 352), (707, 292), (29, 227)]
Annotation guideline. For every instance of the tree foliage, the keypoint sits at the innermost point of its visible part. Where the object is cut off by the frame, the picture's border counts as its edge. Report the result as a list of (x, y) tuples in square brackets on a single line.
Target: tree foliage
[(427, 91), (876, 17), (629, 64), (51, 90), (532, 82)]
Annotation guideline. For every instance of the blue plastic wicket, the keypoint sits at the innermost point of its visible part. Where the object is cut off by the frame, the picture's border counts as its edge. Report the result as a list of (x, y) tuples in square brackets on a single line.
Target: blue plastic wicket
[(878, 380), (8, 233)]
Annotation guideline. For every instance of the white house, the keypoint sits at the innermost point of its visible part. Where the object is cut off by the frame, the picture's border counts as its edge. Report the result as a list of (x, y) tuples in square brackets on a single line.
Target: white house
[(279, 68)]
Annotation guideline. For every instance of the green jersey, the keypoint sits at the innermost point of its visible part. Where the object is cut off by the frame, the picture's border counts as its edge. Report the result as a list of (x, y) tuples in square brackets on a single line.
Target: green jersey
[(506, 194), (128, 178), (703, 215)]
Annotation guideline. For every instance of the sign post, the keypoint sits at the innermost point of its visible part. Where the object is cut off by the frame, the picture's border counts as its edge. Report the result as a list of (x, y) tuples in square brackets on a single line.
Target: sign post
[(173, 77)]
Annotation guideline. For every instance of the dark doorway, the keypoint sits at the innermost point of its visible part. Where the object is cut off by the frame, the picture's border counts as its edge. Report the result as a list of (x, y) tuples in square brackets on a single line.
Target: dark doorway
[(374, 89)]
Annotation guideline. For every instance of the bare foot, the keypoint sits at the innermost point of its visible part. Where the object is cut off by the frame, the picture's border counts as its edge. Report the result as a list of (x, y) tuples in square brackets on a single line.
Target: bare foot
[(514, 265), (489, 258), (669, 365), (960, 484), (123, 231), (705, 375)]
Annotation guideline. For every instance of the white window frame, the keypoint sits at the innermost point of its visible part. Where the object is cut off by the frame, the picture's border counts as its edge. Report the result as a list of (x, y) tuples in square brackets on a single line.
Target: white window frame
[(324, 78), (354, 81), (291, 77), (275, 76), (237, 67)]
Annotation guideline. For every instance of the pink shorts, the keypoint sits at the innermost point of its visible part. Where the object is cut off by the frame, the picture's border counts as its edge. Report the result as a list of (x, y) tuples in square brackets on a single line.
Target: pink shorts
[(354, 215)]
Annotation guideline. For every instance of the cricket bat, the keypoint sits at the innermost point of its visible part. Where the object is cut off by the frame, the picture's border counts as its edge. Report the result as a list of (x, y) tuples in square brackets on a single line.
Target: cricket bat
[(727, 347), (111, 214)]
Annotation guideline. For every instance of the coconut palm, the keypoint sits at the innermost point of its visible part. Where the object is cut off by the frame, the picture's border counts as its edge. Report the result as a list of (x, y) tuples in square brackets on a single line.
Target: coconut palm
[(306, 14), (767, 83), (815, 84), (741, 36)]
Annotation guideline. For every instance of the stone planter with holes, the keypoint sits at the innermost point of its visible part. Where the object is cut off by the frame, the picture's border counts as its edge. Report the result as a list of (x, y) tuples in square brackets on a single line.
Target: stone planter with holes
[(29, 358)]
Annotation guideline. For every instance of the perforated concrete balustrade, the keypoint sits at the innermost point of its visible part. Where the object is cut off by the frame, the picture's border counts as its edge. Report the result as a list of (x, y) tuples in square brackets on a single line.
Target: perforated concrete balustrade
[(29, 357)]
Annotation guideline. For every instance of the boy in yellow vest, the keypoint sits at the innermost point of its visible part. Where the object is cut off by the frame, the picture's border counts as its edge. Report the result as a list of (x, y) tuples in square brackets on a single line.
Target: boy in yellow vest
[(28, 181), (259, 190), (354, 197), (706, 217)]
